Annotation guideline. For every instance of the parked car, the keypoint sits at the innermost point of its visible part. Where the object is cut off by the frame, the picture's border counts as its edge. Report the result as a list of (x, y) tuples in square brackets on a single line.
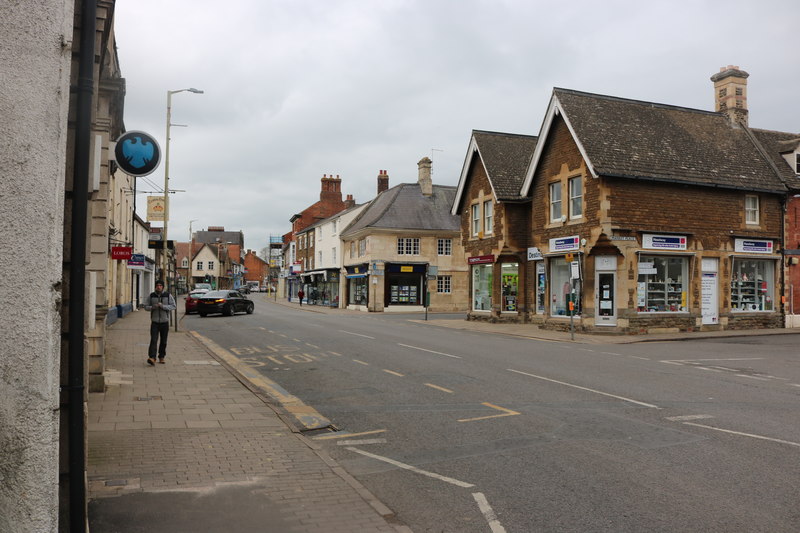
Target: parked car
[(244, 289), (226, 302), (206, 286), (191, 300)]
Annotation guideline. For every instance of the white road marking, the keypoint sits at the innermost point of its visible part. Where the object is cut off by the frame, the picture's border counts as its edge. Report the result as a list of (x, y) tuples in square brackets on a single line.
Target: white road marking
[(336, 354), (637, 357), (392, 372), (345, 434), (506, 412), (610, 353), (359, 361), (708, 368), (687, 417), (413, 469), (488, 513), (795, 384), (356, 334), (780, 441), (437, 387), (430, 351), (265, 329), (312, 345), (586, 389), (361, 441), (752, 377)]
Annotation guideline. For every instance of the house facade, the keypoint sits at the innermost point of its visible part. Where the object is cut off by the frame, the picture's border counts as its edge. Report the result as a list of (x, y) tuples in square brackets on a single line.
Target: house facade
[(403, 251)]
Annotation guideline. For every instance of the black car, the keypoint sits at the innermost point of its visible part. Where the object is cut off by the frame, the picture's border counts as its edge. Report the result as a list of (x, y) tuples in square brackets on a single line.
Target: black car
[(225, 302)]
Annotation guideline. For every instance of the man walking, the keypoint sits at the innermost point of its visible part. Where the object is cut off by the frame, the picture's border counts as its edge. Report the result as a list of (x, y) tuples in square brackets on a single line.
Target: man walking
[(160, 303), (300, 295)]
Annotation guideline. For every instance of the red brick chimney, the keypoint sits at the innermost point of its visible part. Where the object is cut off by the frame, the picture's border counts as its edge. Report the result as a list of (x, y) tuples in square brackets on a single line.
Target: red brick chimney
[(383, 181), (331, 189), (349, 202)]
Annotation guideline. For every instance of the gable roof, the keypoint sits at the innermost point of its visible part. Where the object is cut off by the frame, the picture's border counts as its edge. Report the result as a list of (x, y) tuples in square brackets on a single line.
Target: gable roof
[(505, 158), (776, 143), (404, 207), (644, 140)]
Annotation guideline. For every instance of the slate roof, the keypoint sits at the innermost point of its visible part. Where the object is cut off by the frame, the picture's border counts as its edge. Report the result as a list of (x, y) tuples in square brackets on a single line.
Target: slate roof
[(644, 140), (775, 143), (505, 157), (403, 207)]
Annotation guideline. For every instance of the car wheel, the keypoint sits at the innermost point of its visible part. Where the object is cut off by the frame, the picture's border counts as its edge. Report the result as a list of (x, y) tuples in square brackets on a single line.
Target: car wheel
[(250, 309), (202, 314), (227, 310)]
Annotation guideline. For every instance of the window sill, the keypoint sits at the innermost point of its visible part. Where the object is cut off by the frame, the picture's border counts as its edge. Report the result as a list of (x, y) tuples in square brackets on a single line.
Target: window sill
[(646, 313), (484, 311)]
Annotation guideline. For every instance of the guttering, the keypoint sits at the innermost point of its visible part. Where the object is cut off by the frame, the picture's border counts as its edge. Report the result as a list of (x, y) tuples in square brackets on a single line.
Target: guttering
[(678, 181), (76, 387)]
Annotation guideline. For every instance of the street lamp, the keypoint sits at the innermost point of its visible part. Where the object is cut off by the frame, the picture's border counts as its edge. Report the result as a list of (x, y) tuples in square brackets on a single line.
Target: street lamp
[(164, 248)]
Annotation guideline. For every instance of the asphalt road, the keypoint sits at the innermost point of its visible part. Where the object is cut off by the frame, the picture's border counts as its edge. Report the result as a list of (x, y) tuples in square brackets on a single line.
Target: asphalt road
[(464, 432)]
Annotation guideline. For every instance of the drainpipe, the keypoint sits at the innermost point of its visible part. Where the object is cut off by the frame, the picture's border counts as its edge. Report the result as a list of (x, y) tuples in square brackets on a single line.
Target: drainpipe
[(77, 270)]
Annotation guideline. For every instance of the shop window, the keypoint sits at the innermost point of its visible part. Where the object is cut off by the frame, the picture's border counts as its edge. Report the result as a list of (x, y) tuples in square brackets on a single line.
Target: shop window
[(443, 284), (358, 291), (555, 202), (662, 285), (445, 247), (199, 265), (510, 286), (575, 197), (475, 213), (407, 246), (488, 214), (562, 290), (751, 209), (482, 287), (752, 285)]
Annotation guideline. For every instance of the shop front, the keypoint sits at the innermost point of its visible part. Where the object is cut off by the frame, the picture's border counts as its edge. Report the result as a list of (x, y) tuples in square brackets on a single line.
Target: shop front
[(357, 287), (405, 284), (482, 275), (321, 287)]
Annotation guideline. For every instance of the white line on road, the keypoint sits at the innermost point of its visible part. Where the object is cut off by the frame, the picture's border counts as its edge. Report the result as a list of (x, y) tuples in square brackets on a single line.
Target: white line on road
[(586, 389), (356, 334), (780, 441), (343, 434), (312, 345), (413, 469), (430, 351), (752, 377), (392, 372), (360, 362), (610, 353), (687, 417), (437, 387), (488, 513), (361, 441)]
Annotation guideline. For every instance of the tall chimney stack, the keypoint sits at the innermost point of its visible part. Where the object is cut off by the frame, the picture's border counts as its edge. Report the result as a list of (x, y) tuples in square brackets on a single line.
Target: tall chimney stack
[(383, 181), (730, 93), (425, 182)]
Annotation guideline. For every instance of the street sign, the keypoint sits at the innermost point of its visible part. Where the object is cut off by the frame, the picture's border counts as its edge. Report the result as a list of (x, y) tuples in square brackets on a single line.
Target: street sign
[(137, 153)]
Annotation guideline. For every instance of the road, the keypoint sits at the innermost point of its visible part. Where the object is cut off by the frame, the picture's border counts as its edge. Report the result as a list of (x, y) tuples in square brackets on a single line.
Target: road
[(464, 432)]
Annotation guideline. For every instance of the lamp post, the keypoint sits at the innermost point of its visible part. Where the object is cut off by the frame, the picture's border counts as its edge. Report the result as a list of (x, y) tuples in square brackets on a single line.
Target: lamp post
[(164, 248)]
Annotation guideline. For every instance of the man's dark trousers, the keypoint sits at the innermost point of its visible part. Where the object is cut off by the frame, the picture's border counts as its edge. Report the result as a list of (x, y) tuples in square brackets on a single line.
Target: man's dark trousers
[(158, 329)]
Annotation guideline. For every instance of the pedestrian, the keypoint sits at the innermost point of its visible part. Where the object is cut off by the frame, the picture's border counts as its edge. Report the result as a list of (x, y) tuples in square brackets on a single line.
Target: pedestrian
[(160, 303), (300, 295)]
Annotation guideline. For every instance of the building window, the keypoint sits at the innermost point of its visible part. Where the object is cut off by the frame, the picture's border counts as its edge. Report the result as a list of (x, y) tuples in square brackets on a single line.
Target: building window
[(482, 287), (662, 285), (510, 285), (407, 246), (185, 263), (555, 202), (476, 219), (352, 249), (333, 227), (211, 265), (488, 213), (199, 265), (445, 247), (723, 93), (561, 288), (362, 247), (333, 256), (443, 285), (751, 209), (752, 285), (575, 197)]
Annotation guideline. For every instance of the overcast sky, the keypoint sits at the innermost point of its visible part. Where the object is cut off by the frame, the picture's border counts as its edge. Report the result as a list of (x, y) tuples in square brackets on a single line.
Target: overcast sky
[(297, 89)]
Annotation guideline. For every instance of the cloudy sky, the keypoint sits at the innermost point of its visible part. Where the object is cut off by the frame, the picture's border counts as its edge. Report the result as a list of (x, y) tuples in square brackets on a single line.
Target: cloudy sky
[(296, 89)]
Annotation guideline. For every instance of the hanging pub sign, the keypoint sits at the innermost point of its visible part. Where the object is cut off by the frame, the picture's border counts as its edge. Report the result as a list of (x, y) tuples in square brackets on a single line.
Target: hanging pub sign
[(664, 242), (565, 244), (753, 246)]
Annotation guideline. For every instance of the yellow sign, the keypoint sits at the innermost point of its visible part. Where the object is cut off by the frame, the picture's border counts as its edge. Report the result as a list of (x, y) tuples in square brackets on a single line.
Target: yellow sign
[(569, 258), (155, 208), (406, 269)]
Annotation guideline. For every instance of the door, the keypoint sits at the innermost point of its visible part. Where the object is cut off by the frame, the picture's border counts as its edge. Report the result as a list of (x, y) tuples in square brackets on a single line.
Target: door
[(710, 292), (606, 311)]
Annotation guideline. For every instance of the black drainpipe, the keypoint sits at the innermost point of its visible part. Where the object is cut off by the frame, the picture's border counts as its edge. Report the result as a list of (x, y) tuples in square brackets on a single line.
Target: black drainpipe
[(77, 269)]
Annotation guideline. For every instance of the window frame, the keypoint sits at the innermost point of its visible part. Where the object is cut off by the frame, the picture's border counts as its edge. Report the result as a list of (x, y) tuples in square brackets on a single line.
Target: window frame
[(555, 187), (749, 210), (199, 266), (210, 265), (475, 219), (444, 247), (408, 246), (488, 217), (573, 198), (444, 284)]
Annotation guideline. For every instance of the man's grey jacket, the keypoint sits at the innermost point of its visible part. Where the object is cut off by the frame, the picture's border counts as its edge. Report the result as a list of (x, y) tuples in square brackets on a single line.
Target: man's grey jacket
[(160, 314)]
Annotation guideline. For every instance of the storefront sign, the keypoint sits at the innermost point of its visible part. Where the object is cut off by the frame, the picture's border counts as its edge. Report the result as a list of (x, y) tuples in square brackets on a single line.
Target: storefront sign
[(406, 269), (477, 260), (156, 207), (753, 246), (646, 267), (534, 254), (121, 252), (565, 243), (136, 262), (622, 238), (663, 242)]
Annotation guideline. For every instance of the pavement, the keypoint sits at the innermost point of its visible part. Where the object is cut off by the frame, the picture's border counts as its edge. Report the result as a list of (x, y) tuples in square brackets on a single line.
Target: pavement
[(199, 445), (189, 446)]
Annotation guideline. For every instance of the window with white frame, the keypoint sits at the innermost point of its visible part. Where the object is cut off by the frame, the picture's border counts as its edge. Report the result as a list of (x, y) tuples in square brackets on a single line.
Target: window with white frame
[(445, 247), (575, 197), (211, 265), (751, 209), (185, 263), (407, 246), (555, 202), (488, 213), (333, 255), (443, 284), (362, 247), (199, 265), (475, 214), (663, 284)]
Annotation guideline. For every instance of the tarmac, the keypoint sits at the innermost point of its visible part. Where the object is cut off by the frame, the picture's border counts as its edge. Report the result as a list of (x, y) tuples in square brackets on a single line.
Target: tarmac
[(194, 445)]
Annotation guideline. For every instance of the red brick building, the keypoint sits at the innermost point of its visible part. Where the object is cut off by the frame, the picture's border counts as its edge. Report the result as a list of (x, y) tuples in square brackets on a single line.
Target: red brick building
[(256, 269)]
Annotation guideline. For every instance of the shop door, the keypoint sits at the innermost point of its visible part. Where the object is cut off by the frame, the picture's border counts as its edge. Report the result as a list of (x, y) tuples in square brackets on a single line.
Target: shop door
[(606, 311), (710, 292)]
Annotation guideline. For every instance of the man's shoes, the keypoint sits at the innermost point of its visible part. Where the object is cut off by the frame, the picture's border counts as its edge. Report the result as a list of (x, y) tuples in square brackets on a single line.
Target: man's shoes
[(161, 361), (151, 361)]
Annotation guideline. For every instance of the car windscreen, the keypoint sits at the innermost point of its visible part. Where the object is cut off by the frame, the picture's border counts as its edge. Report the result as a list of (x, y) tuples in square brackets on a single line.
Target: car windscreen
[(215, 294)]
